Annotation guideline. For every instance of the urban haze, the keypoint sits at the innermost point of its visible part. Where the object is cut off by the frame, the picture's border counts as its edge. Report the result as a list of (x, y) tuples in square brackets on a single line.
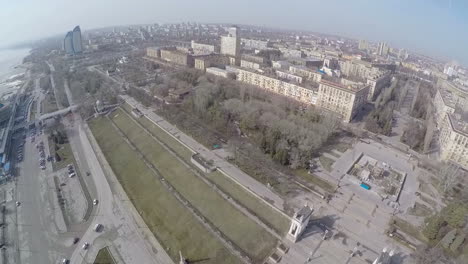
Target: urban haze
[(254, 132)]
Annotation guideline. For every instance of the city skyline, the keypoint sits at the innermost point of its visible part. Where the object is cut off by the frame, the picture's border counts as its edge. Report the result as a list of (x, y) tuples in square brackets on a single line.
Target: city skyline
[(400, 24)]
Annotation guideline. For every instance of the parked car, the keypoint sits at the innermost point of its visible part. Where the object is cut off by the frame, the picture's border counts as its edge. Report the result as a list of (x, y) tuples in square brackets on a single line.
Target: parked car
[(75, 240), (95, 202), (85, 245)]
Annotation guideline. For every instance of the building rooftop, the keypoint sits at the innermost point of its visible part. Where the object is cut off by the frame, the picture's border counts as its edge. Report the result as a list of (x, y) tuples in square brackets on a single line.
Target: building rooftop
[(459, 122), (303, 214), (348, 88)]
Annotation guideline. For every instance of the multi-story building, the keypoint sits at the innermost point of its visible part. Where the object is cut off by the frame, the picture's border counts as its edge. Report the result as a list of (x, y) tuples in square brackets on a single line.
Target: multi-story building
[(357, 68), (250, 64), (202, 49), (376, 82), (343, 100), (255, 44), (72, 43), (382, 49), (448, 98), (363, 44), (453, 139), (230, 44), (177, 57), (77, 43), (308, 62), (68, 43), (308, 73), (205, 61), (291, 53), (283, 65), (291, 90), (153, 52), (257, 59), (217, 72), (288, 76)]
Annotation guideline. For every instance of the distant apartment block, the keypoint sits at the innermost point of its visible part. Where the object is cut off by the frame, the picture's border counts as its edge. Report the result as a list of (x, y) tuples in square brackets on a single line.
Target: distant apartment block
[(202, 49), (153, 52), (218, 72), (253, 58), (289, 76), (453, 139), (177, 57), (383, 49), (291, 53), (205, 61), (255, 44), (363, 44), (291, 90), (343, 100), (283, 65), (250, 64), (308, 73), (72, 43), (230, 44)]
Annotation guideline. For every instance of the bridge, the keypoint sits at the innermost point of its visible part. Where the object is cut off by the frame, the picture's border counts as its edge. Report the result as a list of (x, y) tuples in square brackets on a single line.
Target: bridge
[(58, 112)]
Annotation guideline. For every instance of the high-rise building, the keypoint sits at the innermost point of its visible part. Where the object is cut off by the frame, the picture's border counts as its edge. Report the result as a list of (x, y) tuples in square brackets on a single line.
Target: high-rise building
[(383, 49), (230, 44), (68, 43), (72, 44), (77, 44), (363, 44)]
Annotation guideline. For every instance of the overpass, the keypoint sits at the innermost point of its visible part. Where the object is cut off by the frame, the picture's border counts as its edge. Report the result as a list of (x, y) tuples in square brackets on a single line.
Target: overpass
[(58, 112)]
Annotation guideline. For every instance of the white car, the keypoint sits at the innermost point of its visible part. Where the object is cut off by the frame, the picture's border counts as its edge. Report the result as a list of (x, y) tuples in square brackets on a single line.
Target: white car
[(95, 202), (64, 261), (85, 245), (71, 175)]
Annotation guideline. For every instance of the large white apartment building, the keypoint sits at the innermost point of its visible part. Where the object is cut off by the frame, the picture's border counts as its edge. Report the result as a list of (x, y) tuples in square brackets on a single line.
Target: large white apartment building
[(343, 100), (453, 139), (294, 91), (230, 44)]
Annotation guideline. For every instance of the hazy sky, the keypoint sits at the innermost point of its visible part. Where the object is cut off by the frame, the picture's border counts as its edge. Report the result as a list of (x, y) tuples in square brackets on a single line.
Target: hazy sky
[(434, 27)]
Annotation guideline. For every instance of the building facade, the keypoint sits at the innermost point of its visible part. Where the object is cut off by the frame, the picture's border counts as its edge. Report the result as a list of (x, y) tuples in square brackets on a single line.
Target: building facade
[(205, 61), (453, 139), (382, 49), (250, 64), (68, 43), (177, 57), (306, 72), (376, 82), (202, 49), (289, 76), (343, 100), (230, 44), (255, 44), (291, 90), (77, 42), (153, 52)]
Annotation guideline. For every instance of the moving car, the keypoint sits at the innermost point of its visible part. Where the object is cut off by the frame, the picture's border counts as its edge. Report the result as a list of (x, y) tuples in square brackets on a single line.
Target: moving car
[(85, 245)]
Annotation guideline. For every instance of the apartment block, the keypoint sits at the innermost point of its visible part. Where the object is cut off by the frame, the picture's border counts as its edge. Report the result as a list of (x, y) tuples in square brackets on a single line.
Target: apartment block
[(250, 64), (205, 61), (308, 73), (289, 76), (255, 44), (177, 57), (453, 139), (153, 52), (202, 49), (376, 82), (217, 72), (291, 90), (343, 100)]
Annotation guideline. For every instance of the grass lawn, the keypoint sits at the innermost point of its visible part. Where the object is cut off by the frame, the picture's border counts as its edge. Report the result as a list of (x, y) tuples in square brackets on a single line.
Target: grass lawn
[(408, 228), (276, 220), (315, 180), (49, 104), (166, 138), (342, 146), (174, 227), (127, 107), (243, 231), (65, 153), (326, 163), (420, 210), (263, 211), (104, 257)]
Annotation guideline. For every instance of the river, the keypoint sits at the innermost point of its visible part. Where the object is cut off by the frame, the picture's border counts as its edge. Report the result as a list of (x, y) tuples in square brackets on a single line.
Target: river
[(9, 59)]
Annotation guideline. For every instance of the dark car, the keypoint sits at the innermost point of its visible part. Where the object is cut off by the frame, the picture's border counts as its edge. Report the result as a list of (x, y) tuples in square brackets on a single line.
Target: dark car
[(75, 240)]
